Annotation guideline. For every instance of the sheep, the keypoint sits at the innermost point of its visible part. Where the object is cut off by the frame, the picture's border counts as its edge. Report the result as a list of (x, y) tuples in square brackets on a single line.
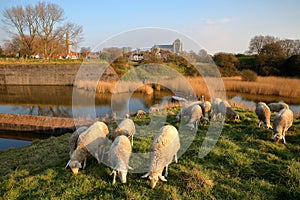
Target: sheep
[(164, 148), (226, 110), (194, 112), (154, 108), (264, 114), (74, 137), (91, 142), (119, 154), (220, 107), (276, 107), (215, 107), (282, 122), (139, 113), (127, 128), (206, 108), (230, 113)]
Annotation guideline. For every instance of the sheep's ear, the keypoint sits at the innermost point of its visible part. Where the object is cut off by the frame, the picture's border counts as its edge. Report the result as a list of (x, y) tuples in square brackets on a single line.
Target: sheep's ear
[(130, 168), (146, 175), (162, 178), (68, 163)]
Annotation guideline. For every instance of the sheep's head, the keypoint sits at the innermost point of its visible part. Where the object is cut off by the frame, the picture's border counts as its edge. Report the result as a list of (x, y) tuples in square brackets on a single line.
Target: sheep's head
[(277, 137), (236, 117), (74, 165), (154, 181), (122, 175), (267, 126)]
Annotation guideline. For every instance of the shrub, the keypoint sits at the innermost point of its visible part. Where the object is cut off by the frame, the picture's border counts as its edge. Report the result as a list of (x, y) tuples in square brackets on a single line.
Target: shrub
[(248, 75)]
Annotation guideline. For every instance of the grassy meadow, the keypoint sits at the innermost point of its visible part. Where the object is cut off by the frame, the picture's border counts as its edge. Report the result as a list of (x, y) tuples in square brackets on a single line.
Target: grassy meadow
[(244, 164)]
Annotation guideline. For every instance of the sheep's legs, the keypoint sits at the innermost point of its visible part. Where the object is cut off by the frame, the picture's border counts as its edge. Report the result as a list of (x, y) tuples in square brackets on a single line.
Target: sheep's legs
[(283, 138), (175, 158), (84, 163), (166, 172), (114, 178)]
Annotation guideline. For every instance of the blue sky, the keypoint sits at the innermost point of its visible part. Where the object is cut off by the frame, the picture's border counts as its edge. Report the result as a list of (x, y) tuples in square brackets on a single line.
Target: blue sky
[(215, 25)]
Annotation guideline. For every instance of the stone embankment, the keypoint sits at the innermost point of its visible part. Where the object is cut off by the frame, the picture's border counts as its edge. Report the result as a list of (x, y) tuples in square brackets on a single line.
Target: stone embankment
[(41, 124), (53, 74)]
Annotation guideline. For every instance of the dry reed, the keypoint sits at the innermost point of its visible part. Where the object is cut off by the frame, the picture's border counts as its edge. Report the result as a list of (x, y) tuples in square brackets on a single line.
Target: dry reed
[(276, 86), (208, 87)]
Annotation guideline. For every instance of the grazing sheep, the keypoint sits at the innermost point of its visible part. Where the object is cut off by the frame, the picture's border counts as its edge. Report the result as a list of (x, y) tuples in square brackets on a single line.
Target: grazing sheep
[(230, 113), (215, 107), (139, 113), (276, 107), (74, 137), (91, 141), (227, 111), (282, 122), (127, 128), (119, 155), (264, 114), (206, 108), (194, 112), (155, 108), (164, 148)]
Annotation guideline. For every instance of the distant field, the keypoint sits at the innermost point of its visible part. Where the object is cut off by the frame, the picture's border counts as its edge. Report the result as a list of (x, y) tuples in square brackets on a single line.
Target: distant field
[(244, 164)]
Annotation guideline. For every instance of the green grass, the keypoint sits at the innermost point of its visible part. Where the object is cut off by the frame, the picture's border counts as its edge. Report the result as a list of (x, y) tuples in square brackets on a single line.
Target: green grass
[(244, 164)]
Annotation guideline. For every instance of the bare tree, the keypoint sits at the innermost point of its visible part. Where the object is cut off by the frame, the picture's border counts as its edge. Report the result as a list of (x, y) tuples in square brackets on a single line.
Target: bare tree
[(41, 26), (258, 41), (48, 15), (290, 47), (22, 21)]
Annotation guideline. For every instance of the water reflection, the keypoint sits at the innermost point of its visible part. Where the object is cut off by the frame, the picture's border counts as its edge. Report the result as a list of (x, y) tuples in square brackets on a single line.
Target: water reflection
[(56, 101)]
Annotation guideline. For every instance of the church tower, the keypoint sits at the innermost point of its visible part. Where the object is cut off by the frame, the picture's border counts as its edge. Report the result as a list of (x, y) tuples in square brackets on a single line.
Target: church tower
[(177, 46)]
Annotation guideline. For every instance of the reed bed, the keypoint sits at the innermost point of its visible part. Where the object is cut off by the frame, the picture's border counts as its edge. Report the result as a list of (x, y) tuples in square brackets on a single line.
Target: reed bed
[(276, 86), (286, 88)]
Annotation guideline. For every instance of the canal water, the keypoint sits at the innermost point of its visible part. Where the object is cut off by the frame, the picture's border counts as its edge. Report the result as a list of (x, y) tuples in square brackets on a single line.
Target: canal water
[(57, 101)]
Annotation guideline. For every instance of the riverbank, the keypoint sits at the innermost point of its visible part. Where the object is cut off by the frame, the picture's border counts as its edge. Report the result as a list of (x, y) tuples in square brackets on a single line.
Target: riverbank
[(244, 164), (286, 88)]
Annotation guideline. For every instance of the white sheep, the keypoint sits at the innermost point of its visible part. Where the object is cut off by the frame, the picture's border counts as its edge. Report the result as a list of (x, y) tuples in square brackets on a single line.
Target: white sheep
[(139, 113), (193, 112), (119, 154), (164, 148), (127, 128), (206, 108), (92, 141), (74, 137), (230, 113), (276, 107), (282, 122), (154, 108), (215, 107), (226, 110), (264, 114)]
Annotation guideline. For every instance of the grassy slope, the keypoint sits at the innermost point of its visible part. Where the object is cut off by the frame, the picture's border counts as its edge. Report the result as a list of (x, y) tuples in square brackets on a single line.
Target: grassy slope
[(245, 164)]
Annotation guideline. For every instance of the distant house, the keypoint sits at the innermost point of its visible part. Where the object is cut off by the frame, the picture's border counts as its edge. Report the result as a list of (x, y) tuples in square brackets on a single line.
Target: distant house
[(136, 57), (71, 55), (176, 47)]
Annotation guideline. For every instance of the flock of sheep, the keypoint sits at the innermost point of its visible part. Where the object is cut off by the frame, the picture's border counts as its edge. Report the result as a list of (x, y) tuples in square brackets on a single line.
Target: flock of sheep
[(166, 143)]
